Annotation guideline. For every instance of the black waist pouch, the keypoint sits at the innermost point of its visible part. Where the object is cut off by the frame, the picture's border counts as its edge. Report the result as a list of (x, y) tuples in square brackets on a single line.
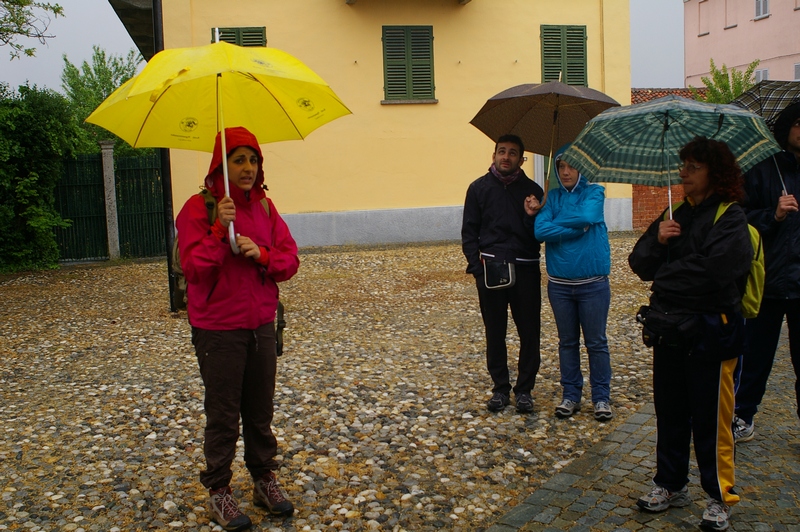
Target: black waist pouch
[(673, 329), (498, 275)]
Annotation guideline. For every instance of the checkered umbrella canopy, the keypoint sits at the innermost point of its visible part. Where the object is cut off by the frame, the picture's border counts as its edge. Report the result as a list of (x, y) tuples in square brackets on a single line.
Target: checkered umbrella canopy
[(639, 144), (544, 115), (768, 98)]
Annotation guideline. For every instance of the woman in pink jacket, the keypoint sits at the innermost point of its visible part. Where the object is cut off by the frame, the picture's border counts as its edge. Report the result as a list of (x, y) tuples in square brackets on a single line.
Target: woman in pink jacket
[(232, 299)]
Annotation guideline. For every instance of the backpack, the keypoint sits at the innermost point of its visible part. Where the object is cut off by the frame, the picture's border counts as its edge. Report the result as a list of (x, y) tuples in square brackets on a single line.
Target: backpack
[(179, 299), (754, 286)]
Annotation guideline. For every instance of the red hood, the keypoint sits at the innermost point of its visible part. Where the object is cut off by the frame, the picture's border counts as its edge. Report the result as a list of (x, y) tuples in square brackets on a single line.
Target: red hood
[(235, 137)]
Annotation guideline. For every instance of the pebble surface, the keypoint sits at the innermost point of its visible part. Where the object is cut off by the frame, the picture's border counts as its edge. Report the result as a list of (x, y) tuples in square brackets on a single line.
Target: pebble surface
[(380, 412)]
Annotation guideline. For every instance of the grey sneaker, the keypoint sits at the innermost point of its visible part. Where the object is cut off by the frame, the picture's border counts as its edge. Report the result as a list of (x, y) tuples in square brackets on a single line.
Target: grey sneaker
[(716, 516), (267, 493), (567, 408), (602, 411), (225, 510), (660, 498), (743, 432), (524, 403), (498, 402)]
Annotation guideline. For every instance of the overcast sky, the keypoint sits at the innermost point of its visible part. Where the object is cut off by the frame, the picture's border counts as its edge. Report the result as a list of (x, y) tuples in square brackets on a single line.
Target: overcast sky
[(656, 44)]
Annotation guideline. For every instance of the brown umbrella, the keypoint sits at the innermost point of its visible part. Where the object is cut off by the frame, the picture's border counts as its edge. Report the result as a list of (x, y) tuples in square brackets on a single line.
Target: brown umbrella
[(544, 115)]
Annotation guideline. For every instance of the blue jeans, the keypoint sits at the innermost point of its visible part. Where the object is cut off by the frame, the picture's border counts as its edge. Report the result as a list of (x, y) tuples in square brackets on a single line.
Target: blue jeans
[(577, 307)]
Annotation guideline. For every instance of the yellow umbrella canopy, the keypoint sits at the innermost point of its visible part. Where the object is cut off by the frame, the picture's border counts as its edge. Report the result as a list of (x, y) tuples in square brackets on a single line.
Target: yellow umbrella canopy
[(184, 96)]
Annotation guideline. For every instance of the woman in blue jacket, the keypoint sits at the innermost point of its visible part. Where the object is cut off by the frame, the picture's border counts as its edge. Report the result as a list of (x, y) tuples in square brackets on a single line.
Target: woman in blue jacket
[(578, 258)]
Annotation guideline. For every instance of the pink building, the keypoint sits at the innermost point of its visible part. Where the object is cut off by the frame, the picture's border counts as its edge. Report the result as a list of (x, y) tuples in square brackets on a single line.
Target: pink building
[(737, 32)]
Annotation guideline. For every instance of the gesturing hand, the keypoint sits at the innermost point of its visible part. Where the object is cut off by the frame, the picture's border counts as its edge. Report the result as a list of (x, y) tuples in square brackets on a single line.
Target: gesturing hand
[(532, 205)]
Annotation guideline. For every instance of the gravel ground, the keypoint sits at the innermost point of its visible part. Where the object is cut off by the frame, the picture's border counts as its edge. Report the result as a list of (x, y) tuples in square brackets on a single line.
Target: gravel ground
[(379, 406)]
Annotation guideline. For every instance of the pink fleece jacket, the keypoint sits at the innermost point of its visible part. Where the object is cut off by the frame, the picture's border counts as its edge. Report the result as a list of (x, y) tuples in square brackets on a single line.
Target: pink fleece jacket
[(227, 291)]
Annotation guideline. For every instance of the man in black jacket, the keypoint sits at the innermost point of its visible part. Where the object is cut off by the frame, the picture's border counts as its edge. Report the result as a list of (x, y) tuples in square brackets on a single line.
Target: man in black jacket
[(496, 228), (772, 187)]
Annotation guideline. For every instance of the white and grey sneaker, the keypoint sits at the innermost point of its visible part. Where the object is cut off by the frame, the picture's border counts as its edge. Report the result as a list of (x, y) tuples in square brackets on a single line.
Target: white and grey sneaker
[(660, 498), (602, 411), (743, 432), (567, 408), (716, 516)]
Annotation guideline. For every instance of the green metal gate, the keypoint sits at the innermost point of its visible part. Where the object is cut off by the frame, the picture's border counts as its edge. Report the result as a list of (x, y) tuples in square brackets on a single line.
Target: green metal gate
[(79, 197), (140, 206)]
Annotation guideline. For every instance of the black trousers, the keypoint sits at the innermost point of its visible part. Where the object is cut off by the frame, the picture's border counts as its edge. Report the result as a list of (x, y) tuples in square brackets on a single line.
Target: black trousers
[(693, 396), (238, 369), (525, 300), (763, 334)]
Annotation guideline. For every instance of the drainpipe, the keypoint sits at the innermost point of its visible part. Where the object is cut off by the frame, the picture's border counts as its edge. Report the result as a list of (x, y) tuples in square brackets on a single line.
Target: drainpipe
[(166, 172), (602, 48)]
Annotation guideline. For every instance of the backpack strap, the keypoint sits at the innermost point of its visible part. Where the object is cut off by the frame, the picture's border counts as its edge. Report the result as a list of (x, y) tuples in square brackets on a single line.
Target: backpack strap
[(721, 208), (673, 209), (211, 205)]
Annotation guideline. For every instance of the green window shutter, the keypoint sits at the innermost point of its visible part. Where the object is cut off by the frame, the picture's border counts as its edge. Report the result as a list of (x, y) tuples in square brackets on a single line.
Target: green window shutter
[(408, 62), (252, 36), (564, 52)]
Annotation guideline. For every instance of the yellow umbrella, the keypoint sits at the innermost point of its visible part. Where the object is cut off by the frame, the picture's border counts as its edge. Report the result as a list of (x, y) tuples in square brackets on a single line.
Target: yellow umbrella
[(184, 96), (175, 102)]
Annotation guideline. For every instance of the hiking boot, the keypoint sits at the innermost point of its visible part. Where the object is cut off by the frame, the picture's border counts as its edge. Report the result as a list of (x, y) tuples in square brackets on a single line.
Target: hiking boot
[(743, 432), (567, 408), (267, 493), (498, 402), (524, 403), (660, 498), (225, 510), (602, 411), (716, 516)]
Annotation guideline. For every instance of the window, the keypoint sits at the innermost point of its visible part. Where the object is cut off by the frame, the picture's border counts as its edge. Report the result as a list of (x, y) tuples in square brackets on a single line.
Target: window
[(408, 64), (730, 14), (761, 74), (564, 54), (241, 36), (703, 18), (797, 71), (762, 8)]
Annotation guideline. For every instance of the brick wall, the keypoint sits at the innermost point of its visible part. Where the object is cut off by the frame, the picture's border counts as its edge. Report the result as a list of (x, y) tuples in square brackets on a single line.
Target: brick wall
[(650, 202)]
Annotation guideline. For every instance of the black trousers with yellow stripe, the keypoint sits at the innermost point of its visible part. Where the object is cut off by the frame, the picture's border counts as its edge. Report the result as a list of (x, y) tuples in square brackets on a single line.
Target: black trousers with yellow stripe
[(694, 399)]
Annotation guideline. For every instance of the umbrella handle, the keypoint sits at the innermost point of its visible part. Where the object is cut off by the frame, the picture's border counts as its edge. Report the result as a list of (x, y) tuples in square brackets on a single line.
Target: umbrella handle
[(224, 146)]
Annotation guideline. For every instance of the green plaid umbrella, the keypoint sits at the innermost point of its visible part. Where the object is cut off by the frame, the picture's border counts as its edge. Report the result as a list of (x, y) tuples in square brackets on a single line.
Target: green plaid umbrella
[(639, 144), (768, 98)]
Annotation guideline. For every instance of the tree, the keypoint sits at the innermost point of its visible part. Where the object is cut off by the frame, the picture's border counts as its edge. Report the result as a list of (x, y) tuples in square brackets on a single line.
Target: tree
[(87, 87), (725, 85), (25, 18), (37, 130)]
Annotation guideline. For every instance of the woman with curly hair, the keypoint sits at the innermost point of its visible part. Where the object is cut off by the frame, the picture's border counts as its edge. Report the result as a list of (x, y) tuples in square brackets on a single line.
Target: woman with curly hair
[(698, 263)]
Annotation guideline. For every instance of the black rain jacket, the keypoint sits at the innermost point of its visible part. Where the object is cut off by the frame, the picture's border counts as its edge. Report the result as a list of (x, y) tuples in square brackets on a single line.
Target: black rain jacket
[(495, 223), (781, 239), (702, 270)]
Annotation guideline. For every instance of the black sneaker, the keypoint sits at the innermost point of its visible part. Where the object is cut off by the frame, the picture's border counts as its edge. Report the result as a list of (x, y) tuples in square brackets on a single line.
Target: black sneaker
[(267, 493), (524, 403), (498, 402), (225, 510)]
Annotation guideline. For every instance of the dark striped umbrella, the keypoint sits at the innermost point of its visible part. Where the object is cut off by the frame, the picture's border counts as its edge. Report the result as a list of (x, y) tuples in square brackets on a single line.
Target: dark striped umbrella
[(768, 98), (639, 144)]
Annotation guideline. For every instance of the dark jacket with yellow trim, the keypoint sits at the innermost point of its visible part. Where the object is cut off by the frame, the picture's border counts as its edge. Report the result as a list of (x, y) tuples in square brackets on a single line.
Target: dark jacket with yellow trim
[(702, 270)]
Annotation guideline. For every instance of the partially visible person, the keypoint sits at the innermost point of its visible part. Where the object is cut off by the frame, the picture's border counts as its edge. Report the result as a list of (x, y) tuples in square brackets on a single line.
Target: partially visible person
[(774, 212), (698, 268), (496, 228), (232, 300), (578, 258)]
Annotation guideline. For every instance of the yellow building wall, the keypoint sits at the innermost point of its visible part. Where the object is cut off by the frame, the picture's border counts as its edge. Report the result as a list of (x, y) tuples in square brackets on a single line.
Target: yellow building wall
[(399, 156)]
